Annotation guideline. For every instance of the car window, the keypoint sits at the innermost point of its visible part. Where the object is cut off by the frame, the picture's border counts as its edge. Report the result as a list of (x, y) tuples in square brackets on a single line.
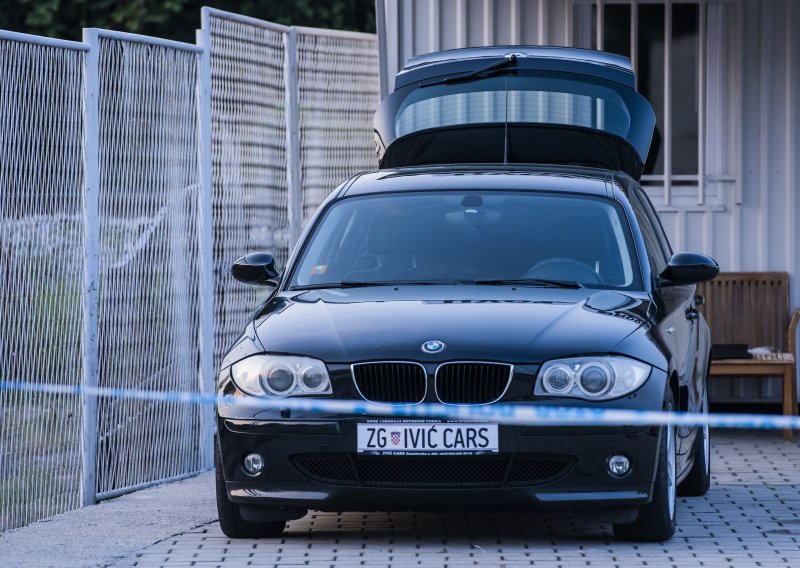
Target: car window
[(452, 236), (655, 221), (655, 252), (516, 99)]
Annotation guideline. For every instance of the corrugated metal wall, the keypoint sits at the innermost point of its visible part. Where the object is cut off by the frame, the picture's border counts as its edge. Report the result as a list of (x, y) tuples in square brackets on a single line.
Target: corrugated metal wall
[(422, 26), (753, 115)]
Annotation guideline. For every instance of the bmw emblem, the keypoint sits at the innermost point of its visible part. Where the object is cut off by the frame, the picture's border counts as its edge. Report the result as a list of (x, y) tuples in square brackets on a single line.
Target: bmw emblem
[(433, 346)]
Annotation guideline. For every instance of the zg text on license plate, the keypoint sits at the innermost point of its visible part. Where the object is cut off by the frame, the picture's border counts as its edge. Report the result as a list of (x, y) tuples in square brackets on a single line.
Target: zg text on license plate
[(387, 437)]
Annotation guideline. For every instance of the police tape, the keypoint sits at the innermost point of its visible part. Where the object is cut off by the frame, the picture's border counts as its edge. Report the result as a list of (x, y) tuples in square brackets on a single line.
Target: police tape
[(505, 413)]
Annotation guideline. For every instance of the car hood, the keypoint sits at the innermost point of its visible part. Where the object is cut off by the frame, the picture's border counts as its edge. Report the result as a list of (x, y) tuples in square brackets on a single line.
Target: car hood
[(512, 324)]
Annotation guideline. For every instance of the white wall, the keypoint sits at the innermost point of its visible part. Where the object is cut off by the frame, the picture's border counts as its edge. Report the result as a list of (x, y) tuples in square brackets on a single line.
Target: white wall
[(422, 26)]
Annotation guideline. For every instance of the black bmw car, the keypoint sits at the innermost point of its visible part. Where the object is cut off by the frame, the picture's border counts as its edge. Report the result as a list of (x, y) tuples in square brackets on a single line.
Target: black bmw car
[(503, 253)]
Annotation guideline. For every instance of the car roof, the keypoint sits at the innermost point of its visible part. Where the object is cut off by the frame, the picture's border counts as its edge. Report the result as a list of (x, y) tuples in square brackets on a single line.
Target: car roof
[(572, 179)]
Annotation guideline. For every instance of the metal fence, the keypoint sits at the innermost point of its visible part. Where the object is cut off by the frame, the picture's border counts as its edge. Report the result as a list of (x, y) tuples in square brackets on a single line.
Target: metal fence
[(249, 155), (133, 171), (148, 180), (338, 93), (291, 112), (41, 273)]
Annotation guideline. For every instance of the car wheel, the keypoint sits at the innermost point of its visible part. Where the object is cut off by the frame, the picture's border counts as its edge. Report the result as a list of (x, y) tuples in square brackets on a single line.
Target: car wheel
[(656, 520), (698, 481), (230, 519)]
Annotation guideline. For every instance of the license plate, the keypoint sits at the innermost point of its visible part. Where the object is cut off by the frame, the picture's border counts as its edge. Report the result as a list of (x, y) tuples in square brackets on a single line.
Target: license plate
[(386, 437)]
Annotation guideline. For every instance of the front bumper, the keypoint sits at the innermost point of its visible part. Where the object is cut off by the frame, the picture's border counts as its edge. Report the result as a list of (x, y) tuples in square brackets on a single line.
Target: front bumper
[(574, 475)]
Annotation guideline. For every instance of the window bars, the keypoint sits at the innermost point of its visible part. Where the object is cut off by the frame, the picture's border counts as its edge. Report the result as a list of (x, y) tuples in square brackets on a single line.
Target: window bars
[(670, 44)]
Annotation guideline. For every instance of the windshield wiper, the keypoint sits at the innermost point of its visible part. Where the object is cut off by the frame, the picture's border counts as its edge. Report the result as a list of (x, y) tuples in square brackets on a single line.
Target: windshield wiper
[(367, 284), (496, 67), (529, 282)]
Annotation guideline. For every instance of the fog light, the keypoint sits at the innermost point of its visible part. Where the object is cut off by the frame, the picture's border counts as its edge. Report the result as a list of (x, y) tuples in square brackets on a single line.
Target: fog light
[(619, 466), (253, 464)]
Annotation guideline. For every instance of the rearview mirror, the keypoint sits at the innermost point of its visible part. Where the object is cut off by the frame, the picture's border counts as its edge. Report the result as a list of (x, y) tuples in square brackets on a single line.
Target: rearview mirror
[(688, 268), (256, 268)]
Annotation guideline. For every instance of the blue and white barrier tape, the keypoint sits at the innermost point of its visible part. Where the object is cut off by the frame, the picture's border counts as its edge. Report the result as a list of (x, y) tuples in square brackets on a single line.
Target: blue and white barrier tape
[(518, 414)]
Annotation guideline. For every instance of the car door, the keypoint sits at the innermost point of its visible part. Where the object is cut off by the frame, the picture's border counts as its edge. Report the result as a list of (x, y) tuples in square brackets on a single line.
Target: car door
[(658, 262), (681, 302)]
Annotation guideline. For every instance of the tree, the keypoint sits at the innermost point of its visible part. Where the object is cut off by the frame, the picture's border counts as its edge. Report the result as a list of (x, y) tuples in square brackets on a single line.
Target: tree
[(174, 19)]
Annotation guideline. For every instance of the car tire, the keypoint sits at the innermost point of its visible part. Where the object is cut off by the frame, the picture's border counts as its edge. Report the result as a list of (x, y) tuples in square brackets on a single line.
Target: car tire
[(230, 518), (656, 520), (698, 481)]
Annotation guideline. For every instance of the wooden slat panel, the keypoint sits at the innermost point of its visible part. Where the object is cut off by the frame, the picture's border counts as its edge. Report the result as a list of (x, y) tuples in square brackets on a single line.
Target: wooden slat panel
[(783, 324), (748, 307)]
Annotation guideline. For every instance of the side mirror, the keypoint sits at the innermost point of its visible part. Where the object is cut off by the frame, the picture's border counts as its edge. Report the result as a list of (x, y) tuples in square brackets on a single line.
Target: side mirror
[(256, 268), (688, 268)]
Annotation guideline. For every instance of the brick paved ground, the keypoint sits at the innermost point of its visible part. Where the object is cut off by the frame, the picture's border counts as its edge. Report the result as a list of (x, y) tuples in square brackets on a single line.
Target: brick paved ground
[(751, 517)]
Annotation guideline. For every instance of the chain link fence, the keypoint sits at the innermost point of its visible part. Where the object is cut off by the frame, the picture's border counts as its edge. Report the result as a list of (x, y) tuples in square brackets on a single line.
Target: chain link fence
[(133, 172), (41, 274), (292, 112), (338, 94), (149, 304), (249, 139)]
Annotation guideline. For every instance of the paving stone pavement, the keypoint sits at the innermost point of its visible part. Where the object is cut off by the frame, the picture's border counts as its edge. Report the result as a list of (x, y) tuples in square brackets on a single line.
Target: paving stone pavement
[(750, 517)]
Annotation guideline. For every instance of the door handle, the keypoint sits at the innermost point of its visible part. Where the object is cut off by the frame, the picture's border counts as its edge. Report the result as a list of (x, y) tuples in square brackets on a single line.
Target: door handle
[(691, 314)]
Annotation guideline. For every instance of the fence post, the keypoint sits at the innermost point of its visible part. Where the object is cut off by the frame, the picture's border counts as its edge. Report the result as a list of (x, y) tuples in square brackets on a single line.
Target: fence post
[(383, 61), (91, 273), (295, 201), (206, 243)]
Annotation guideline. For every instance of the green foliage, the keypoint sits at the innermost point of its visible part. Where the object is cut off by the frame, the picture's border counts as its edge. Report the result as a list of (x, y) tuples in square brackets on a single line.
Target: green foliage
[(358, 15), (174, 19)]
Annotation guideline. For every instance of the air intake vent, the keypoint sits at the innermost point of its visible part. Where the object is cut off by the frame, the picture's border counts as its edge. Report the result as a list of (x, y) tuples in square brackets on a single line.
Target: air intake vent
[(335, 469), (472, 383), (498, 470), (530, 469), (434, 471), (391, 381)]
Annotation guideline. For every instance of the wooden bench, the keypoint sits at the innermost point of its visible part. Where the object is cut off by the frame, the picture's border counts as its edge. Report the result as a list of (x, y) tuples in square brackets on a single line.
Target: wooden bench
[(753, 308)]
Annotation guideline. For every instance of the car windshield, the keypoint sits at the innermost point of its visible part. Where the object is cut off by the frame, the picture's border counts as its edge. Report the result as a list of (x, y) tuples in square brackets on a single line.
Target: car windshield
[(470, 237)]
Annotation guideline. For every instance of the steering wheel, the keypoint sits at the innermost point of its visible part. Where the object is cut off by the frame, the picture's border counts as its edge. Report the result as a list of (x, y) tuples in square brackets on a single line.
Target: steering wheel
[(562, 268)]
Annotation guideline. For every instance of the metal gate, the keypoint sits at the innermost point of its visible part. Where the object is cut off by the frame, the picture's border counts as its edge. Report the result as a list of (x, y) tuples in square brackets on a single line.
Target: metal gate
[(133, 171)]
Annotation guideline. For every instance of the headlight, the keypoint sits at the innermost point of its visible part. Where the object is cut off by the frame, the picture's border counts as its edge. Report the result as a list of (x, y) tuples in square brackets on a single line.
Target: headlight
[(279, 375), (591, 378)]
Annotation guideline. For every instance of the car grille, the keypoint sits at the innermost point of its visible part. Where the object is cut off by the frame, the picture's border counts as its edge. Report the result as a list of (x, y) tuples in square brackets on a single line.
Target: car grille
[(472, 383), (528, 468), (328, 468), (429, 471), (391, 381), (497, 470)]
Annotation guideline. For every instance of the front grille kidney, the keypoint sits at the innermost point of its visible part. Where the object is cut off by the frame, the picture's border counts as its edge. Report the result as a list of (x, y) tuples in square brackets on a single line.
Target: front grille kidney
[(472, 383), (392, 382)]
